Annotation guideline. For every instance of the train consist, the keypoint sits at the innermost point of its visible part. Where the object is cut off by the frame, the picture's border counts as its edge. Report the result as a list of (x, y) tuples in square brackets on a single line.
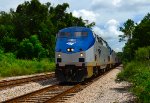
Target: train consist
[(81, 54)]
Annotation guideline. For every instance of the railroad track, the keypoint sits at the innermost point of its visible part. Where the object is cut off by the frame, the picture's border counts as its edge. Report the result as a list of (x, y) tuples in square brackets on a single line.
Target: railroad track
[(53, 94), (11, 83)]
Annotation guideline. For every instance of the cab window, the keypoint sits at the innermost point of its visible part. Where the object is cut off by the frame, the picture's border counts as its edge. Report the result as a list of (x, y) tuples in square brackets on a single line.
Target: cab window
[(80, 34), (63, 34)]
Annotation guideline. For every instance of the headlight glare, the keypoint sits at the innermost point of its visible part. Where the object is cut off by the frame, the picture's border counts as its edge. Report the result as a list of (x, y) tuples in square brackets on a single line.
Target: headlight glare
[(59, 55), (68, 50), (81, 54), (72, 49)]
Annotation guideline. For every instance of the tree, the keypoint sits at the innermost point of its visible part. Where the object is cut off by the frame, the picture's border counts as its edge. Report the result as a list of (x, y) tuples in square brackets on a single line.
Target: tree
[(7, 41), (146, 18), (142, 32), (138, 36), (127, 29), (28, 18), (9, 44), (31, 48)]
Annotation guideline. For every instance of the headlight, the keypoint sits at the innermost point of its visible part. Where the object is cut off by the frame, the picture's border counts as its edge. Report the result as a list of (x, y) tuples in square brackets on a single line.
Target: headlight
[(81, 54), (72, 49), (68, 50), (59, 55)]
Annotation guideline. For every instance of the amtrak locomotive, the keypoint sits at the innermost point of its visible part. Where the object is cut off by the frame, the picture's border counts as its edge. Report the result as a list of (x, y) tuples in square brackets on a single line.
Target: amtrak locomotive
[(81, 54)]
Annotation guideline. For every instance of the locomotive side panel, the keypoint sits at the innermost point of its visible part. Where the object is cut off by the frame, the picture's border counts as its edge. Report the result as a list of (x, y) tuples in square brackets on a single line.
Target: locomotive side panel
[(113, 58), (90, 62), (101, 53)]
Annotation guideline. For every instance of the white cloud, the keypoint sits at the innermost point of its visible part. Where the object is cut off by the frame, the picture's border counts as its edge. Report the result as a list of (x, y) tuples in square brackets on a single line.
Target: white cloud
[(117, 50), (113, 22), (120, 10), (110, 30), (112, 27), (121, 4), (139, 22), (110, 33), (107, 2), (116, 2), (86, 15)]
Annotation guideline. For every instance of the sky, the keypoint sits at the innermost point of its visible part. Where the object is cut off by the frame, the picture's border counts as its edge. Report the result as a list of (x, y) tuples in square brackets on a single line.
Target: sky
[(108, 15)]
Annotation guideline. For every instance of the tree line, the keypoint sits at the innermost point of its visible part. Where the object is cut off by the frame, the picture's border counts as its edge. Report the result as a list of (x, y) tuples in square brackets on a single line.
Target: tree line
[(137, 36), (136, 57), (29, 31)]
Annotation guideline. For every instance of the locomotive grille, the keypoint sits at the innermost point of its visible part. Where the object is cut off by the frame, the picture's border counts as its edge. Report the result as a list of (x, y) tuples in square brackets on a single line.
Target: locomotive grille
[(58, 59), (70, 66), (81, 59)]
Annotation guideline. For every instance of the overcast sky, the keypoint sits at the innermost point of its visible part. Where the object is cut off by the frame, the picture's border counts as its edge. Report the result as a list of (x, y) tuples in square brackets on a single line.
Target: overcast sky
[(108, 15)]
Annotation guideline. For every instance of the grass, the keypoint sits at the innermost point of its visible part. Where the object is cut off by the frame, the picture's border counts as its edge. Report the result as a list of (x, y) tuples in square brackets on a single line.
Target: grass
[(10, 66), (138, 73)]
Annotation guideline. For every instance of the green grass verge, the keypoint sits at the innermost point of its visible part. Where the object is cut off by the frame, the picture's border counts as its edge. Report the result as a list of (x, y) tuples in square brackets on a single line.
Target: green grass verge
[(138, 73), (10, 66)]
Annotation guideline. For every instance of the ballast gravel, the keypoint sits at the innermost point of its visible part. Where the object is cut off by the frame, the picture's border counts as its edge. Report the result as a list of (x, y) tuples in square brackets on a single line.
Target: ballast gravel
[(24, 89), (105, 90)]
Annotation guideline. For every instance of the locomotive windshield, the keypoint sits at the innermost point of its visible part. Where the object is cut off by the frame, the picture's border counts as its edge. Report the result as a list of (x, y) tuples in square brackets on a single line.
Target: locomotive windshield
[(63, 34), (75, 34), (80, 34)]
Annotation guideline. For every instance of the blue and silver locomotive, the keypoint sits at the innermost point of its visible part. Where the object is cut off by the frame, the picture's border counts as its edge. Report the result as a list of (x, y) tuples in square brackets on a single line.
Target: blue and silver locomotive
[(81, 54)]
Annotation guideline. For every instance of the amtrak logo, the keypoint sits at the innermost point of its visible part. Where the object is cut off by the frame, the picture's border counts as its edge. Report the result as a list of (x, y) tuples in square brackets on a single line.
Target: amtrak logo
[(71, 41)]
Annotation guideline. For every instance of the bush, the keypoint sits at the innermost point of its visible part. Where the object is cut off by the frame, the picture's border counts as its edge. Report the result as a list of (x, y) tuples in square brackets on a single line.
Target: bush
[(138, 73), (10, 66), (1, 54), (31, 48), (143, 53), (9, 44)]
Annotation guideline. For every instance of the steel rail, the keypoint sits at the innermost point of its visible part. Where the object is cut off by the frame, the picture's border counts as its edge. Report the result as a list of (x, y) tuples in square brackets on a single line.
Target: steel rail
[(15, 82), (25, 96), (71, 90)]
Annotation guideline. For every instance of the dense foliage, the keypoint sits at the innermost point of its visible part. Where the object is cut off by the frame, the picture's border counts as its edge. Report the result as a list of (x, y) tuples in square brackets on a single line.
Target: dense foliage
[(136, 57), (29, 31), (137, 36), (10, 66), (138, 73)]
